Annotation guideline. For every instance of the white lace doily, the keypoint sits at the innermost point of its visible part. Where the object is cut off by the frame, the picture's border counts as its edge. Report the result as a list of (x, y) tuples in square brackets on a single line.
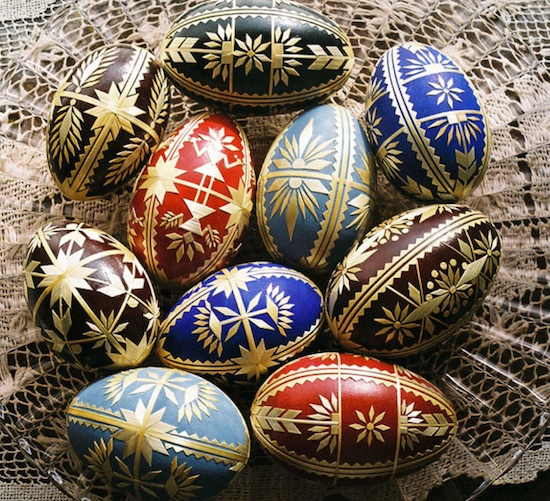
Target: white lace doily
[(501, 358)]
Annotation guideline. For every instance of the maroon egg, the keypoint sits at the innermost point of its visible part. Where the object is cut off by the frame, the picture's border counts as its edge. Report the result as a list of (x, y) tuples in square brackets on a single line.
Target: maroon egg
[(90, 296), (413, 280), (192, 202), (107, 118), (348, 419)]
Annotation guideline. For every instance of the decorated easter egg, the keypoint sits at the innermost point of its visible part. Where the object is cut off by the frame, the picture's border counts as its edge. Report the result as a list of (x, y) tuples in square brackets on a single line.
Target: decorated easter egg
[(315, 189), (108, 116), (90, 296), (413, 280), (241, 322), (427, 126), (159, 433), (191, 204), (347, 419), (256, 57)]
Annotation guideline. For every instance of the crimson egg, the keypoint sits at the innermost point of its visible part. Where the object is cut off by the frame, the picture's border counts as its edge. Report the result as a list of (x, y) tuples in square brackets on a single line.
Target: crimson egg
[(191, 204), (349, 419)]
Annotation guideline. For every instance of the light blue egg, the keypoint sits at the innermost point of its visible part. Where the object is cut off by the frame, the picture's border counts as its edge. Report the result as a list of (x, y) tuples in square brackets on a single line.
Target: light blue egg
[(159, 433), (426, 124), (242, 322), (315, 189)]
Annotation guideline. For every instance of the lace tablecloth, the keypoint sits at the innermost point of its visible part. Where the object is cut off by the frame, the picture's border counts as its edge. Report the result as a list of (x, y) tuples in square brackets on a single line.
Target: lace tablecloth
[(530, 19)]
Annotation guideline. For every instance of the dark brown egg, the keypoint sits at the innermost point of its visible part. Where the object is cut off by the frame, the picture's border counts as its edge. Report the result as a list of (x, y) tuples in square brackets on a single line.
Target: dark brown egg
[(108, 117), (413, 280), (90, 296)]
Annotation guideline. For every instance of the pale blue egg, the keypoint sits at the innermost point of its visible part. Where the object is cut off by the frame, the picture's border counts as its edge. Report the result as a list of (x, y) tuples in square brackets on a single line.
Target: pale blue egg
[(315, 189), (159, 433)]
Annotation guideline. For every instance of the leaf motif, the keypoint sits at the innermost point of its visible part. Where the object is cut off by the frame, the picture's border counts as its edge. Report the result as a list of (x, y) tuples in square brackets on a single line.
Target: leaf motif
[(215, 325), (261, 324), (232, 331), (472, 271), (114, 288), (331, 58), (66, 134), (127, 161), (253, 302), (272, 309), (171, 220), (424, 309), (160, 99), (414, 294), (466, 162), (465, 248), (90, 74), (277, 419)]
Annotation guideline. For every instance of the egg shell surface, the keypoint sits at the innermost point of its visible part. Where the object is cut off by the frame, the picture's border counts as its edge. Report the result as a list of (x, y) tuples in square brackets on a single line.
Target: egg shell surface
[(240, 323), (159, 433), (413, 280), (107, 118), (427, 125), (191, 204), (316, 189), (90, 296), (257, 57), (347, 419)]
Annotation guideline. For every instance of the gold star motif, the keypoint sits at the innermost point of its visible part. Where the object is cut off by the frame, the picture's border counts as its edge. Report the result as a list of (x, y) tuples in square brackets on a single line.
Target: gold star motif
[(143, 432), (115, 110), (161, 178), (256, 361), (65, 276)]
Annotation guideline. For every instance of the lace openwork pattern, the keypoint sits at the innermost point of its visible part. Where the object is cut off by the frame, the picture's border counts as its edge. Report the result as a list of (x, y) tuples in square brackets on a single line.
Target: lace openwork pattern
[(495, 370)]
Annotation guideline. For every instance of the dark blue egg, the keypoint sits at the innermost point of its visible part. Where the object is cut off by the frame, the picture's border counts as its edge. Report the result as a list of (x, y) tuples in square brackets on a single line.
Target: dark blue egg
[(315, 189), (159, 433), (428, 129), (241, 322)]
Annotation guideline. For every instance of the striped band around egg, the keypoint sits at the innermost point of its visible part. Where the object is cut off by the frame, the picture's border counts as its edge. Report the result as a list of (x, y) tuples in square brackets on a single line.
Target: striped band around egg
[(256, 57), (413, 280), (158, 433), (315, 189), (346, 419), (427, 126)]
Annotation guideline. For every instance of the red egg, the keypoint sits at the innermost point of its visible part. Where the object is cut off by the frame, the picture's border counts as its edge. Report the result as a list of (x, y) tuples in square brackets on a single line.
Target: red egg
[(349, 419), (192, 202)]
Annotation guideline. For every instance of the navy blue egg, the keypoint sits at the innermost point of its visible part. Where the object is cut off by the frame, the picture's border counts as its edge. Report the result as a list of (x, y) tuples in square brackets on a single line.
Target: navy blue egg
[(159, 433), (426, 124), (241, 322), (314, 198)]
